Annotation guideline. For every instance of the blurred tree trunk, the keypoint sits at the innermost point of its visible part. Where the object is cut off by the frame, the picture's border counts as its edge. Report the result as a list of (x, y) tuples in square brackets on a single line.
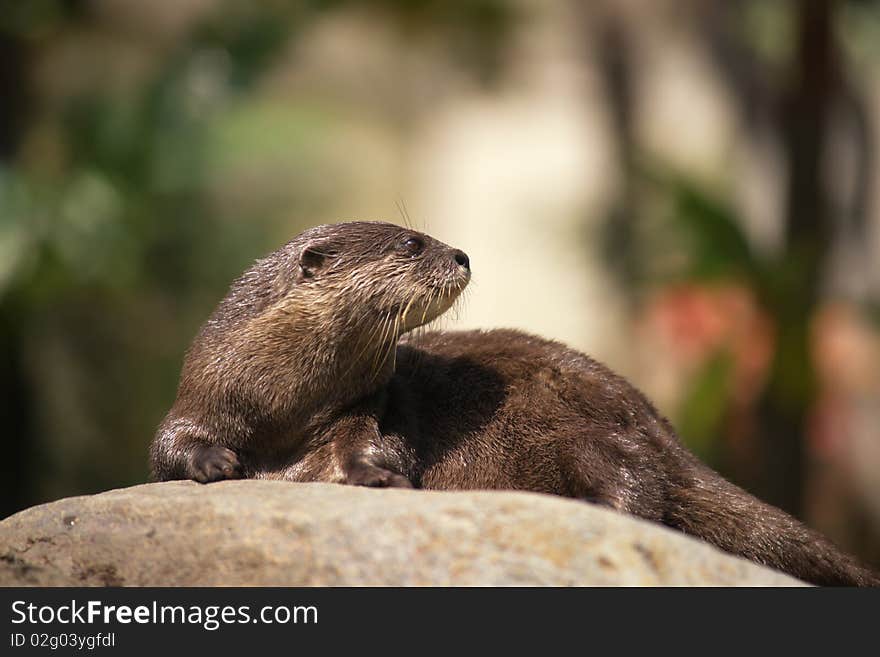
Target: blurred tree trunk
[(607, 40), (13, 95), (800, 118), (808, 232), (14, 419)]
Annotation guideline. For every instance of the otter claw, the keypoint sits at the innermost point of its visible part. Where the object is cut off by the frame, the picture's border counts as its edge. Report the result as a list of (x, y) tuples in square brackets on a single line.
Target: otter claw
[(215, 463), (376, 477)]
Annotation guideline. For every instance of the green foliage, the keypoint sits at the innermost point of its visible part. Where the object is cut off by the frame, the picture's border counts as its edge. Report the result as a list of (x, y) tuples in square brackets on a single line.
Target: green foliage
[(122, 228), (703, 412), (116, 256), (685, 232), (710, 234)]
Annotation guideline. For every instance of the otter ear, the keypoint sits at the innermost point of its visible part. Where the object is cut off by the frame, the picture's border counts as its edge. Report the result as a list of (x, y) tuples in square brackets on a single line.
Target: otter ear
[(314, 258)]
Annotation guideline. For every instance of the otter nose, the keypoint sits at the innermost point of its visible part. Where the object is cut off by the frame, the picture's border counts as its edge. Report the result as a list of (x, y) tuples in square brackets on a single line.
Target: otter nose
[(462, 259)]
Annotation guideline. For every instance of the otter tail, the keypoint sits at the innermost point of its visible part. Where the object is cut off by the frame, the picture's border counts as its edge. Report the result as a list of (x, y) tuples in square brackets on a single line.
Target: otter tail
[(709, 507)]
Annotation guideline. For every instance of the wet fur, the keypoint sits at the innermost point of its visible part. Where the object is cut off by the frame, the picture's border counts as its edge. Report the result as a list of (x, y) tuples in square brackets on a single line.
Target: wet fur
[(506, 410), (301, 374)]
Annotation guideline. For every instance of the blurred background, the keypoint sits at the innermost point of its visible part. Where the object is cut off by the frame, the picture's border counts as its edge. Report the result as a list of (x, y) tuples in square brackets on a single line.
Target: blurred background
[(688, 190)]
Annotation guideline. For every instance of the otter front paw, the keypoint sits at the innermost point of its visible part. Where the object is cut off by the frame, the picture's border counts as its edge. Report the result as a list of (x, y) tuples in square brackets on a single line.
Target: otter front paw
[(213, 463), (364, 474)]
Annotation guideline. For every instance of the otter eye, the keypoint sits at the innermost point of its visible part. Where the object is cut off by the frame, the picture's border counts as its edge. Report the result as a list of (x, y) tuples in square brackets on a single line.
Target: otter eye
[(413, 246)]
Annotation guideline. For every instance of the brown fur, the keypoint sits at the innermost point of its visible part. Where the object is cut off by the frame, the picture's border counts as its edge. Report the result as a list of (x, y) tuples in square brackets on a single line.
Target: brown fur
[(299, 344), (301, 374)]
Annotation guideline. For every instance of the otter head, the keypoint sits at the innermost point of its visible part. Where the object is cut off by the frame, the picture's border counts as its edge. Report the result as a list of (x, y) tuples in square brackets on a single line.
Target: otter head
[(326, 310), (317, 321), (363, 275)]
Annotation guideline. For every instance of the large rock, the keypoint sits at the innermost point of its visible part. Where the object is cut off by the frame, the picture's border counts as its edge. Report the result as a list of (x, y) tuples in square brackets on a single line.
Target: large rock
[(277, 533)]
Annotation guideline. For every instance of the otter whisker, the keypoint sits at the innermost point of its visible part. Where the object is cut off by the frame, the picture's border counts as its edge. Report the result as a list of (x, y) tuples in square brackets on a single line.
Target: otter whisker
[(391, 344), (402, 210), (412, 300), (389, 341), (456, 307), (368, 341), (386, 325), (406, 214), (427, 306), (383, 338)]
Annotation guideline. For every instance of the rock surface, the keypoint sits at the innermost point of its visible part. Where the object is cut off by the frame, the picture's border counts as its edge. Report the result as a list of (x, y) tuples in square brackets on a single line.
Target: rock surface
[(276, 533)]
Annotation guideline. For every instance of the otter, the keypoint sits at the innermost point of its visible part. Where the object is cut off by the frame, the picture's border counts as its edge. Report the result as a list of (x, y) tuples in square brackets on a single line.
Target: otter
[(311, 369)]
